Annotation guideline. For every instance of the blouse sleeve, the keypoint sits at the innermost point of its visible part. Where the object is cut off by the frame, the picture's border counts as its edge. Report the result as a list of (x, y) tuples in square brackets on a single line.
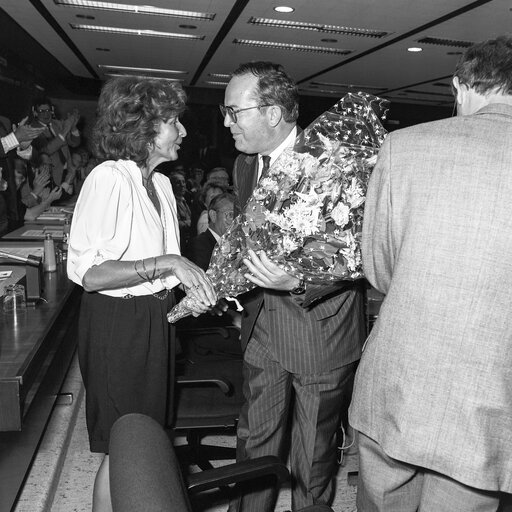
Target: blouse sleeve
[(102, 221)]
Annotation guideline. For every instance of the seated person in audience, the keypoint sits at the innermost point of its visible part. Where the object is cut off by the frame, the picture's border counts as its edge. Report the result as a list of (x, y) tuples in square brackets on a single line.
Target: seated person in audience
[(47, 196), (200, 248), (56, 139), (39, 178), (195, 180), (218, 175), (184, 215), (200, 209), (220, 215)]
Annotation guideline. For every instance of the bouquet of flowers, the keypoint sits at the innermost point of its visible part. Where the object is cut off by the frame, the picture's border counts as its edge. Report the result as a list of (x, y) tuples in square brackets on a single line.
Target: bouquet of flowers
[(306, 211)]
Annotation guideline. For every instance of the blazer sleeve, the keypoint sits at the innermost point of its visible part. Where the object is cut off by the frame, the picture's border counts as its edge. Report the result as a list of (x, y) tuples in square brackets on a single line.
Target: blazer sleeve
[(378, 250)]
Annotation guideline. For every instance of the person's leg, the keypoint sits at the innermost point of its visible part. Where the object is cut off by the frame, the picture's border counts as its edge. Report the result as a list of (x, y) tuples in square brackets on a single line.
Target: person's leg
[(316, 418), (386, 484), (262, 423), (101, 501), (443, 494)]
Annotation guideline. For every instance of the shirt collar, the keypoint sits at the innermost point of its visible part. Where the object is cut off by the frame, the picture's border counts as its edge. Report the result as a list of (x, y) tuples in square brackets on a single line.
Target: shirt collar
[(288, 142)]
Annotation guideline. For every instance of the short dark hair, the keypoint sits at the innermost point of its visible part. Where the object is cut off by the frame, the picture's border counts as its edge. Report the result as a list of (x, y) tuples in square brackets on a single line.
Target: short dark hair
[(42, 100), (275, 87), (487, 66), (209, 185), (217, 200), (130, 110)]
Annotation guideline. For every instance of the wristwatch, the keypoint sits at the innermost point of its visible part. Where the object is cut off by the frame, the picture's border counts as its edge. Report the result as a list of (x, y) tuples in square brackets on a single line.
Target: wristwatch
[(300, 288)]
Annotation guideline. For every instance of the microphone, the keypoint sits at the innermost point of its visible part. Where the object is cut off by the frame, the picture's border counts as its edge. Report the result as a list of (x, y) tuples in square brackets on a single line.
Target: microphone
[(35, 261)]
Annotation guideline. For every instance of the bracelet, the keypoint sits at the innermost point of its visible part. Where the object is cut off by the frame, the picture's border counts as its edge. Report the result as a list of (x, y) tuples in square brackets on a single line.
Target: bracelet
[(145, 271), (138, 273), (154, 269)]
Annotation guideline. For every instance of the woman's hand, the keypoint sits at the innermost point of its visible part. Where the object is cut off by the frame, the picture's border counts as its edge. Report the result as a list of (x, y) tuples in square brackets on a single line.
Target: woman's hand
[(194, 279), (54, 194)]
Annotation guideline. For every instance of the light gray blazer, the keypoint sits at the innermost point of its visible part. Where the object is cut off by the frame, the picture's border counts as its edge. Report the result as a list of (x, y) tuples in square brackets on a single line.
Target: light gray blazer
[(434, 385)]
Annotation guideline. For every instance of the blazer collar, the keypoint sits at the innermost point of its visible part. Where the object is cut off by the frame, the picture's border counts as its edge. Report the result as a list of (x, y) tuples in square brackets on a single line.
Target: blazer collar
[(503, 109)]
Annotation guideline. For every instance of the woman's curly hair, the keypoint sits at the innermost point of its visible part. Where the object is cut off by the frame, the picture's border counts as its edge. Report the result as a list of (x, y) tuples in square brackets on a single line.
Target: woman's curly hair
[(129, 113)]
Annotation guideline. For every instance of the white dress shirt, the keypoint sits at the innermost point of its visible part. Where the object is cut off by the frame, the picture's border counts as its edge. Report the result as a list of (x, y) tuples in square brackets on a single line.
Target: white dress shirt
[(114, 219), (288, 142)]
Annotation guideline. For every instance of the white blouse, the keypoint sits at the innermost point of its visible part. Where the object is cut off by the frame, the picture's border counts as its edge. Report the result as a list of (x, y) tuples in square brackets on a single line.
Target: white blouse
[(114, 219)]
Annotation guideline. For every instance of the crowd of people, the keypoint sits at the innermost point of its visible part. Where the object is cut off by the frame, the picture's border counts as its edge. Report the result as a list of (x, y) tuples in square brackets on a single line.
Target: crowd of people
[(431, 383), (43, 160)]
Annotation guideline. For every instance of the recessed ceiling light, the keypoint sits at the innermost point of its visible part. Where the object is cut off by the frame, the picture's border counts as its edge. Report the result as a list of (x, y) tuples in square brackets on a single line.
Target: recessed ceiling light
[(136, 9), (414, 49), (212, 82), (133, 32), (283, 8)]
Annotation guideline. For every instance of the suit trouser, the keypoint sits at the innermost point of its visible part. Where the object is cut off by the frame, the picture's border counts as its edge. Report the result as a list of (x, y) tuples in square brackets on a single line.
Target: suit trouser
[(389, 485), (262, 427)]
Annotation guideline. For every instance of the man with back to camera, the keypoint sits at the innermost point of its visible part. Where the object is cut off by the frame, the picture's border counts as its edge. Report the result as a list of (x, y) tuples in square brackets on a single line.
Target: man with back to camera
[(432, 398), (298, 339)]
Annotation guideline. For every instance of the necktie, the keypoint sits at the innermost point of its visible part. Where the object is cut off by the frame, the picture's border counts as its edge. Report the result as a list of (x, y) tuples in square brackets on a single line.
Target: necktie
[(266, 163)]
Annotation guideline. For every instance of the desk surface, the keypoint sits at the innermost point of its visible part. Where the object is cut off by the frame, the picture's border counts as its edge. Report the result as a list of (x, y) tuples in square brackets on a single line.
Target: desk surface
[(30, 232)]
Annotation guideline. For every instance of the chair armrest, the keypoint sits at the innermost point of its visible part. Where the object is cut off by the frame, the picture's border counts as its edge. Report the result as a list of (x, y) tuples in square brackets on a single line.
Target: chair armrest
[(225, 386), (238, 472)]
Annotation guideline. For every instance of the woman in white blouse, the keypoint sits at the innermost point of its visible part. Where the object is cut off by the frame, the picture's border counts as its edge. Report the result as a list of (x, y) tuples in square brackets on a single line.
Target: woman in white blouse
[(124, 251)]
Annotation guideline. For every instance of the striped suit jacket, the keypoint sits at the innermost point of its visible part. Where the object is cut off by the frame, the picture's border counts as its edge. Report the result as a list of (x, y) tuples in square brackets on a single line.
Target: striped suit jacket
[(319, 332)]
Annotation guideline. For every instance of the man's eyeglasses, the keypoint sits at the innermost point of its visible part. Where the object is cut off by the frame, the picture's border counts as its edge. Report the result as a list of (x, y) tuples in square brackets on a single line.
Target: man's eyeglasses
[(229, 214), (231, 112)]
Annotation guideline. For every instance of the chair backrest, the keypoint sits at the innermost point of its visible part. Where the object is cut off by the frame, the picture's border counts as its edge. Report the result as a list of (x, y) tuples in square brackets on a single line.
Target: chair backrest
[(144, 472)]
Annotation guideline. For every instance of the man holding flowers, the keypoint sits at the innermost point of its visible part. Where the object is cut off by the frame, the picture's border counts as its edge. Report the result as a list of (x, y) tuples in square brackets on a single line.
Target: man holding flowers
[(301, 343)]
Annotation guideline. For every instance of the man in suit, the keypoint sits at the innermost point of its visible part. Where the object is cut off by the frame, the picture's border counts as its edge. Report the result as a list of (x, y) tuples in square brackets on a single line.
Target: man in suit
[(220, 216), (301, 343), (432, 398)]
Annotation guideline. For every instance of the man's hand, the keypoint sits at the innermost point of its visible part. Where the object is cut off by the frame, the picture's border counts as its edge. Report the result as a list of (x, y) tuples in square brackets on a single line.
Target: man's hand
[(25, 132), (41, 180), (67, 187), (266, 274)]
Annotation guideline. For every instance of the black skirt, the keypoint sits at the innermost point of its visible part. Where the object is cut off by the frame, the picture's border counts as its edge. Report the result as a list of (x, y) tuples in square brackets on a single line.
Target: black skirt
[(124, 355)]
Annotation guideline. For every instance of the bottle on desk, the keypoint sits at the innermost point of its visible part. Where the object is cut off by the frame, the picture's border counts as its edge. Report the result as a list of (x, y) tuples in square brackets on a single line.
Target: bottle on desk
[(49, 264), (65, 234)]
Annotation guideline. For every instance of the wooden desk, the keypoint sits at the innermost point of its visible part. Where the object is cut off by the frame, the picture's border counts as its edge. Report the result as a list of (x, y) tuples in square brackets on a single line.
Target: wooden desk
[(36, 349)]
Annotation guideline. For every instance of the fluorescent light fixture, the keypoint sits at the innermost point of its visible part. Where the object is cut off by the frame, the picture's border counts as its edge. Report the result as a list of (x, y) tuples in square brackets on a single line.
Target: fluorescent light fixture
[(347, 86), (283, 8), (212, 82), (220, 75), (414, 49), (292, 47), (134, 32), (107, 67), (136, 9), (117, 75), (318, 27)]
